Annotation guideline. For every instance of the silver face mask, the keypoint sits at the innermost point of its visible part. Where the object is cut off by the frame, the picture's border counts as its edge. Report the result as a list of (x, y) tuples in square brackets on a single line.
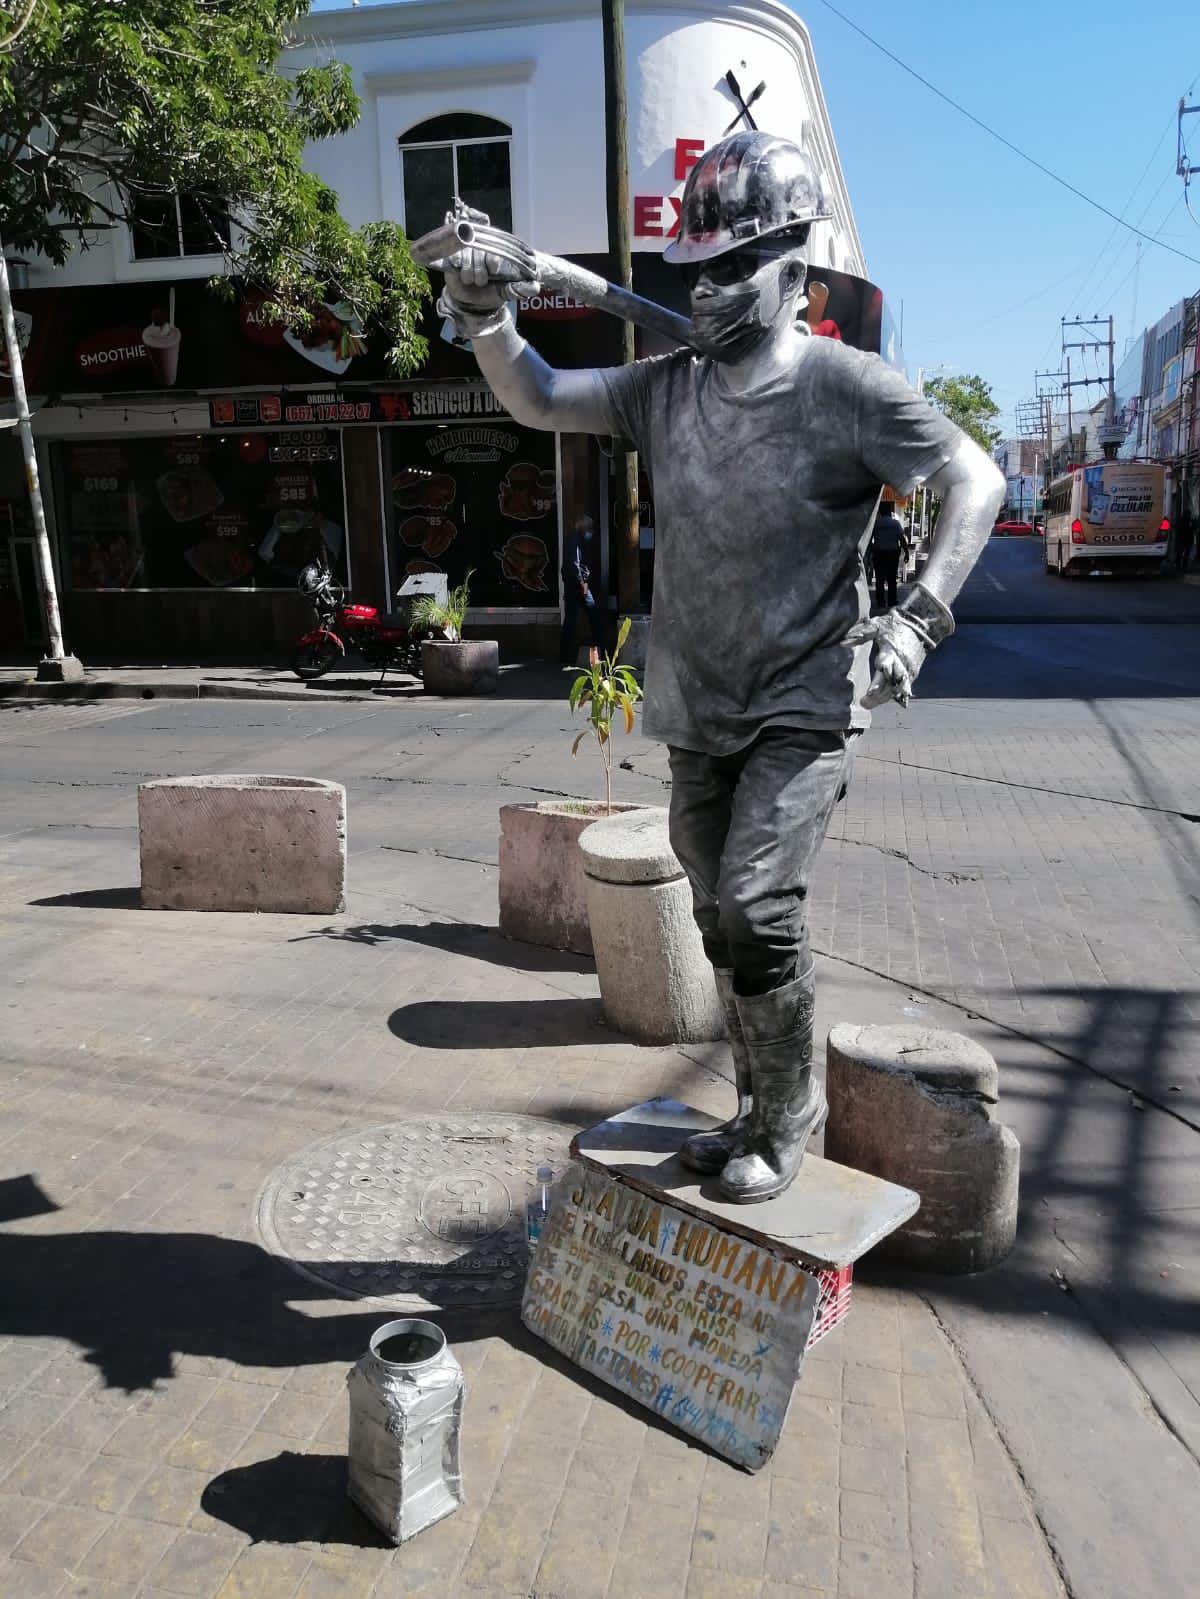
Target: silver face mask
[(730, 320)]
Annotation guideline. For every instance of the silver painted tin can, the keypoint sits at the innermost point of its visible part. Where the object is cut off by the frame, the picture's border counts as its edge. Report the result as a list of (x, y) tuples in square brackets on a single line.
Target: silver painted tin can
[(406, 1398)]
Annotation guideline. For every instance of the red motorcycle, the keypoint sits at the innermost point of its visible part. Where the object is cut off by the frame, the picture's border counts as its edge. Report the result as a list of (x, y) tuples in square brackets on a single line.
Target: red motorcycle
[(382, 639)]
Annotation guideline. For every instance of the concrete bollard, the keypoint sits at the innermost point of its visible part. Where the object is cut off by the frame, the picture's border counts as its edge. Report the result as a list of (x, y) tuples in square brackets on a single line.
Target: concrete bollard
[(916, 1106), (243, 843), (655, 980)]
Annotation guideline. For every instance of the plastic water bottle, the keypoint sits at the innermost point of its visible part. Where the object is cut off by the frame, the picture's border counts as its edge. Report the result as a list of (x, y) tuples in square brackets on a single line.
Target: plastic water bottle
[(538, 1206)]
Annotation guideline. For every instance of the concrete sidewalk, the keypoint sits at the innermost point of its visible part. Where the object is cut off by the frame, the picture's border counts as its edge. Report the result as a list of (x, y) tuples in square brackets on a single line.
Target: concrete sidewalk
[(174, 1413)]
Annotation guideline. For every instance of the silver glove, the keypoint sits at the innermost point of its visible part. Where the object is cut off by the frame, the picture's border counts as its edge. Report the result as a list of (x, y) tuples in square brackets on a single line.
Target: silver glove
[(903, 637)]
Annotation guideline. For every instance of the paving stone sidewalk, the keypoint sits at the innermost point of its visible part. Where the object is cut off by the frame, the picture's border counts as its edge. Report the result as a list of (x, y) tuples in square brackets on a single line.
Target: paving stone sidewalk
[(174, 1413)]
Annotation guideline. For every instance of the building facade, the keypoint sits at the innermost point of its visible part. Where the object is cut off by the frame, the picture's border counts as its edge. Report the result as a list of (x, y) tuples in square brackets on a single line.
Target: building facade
[(195, 455)]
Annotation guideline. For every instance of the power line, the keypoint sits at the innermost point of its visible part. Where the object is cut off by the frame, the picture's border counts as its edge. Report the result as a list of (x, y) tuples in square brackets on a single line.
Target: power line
[(1008, 144)]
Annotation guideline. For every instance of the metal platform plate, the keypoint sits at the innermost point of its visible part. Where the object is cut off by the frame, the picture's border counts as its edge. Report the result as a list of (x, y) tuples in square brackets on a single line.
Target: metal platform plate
[(426, 1213), (828, 1217)]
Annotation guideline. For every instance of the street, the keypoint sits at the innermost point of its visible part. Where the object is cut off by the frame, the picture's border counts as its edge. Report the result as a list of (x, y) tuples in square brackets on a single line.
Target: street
[(1017, 858)]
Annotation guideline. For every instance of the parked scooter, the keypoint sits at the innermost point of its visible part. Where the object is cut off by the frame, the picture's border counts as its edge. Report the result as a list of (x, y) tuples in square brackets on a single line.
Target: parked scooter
[(381, 638)]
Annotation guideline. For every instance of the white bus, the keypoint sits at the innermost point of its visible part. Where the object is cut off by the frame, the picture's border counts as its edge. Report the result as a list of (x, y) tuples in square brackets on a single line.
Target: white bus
[(1107, 518)]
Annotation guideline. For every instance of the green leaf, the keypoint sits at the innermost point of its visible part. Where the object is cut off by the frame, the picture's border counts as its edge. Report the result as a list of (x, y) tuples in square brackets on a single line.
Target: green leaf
[(623, 634)]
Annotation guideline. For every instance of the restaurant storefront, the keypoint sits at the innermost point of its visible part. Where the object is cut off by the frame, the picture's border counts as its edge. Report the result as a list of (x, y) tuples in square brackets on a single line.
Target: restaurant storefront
[(197, 455)]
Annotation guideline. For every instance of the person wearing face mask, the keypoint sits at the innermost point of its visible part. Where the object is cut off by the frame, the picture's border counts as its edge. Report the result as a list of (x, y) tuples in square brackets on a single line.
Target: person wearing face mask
[(578, 591), (767, 450)]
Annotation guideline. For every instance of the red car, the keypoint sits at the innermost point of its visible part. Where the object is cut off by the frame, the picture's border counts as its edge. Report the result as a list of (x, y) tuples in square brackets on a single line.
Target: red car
[(1012, 530)]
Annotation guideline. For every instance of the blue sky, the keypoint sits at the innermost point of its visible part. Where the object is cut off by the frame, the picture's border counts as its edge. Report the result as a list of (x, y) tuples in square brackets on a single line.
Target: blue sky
[(985, 252)]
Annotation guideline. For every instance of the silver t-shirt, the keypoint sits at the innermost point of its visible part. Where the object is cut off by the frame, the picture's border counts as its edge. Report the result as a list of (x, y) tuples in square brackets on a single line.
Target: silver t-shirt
[(763, 503)]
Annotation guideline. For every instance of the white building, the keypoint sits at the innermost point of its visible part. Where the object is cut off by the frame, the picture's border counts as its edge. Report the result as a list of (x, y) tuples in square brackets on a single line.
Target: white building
[(185, 472)]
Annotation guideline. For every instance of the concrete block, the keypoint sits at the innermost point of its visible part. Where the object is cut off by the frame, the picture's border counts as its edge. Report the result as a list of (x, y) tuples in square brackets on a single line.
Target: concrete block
[(468, 666), (655, 980), (917, 1106), (543, 899), (243, 843)]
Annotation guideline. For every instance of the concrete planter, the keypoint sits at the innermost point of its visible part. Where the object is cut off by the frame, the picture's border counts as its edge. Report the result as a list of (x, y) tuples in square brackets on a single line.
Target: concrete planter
[(543, 897), (243, 843), (466, 666)]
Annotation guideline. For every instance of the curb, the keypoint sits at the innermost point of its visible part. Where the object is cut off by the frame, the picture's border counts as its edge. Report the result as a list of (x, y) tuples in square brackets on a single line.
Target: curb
[(31, 690)]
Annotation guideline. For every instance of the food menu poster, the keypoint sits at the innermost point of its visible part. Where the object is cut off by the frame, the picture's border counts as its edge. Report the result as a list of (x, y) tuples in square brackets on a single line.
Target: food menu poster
[(705, 1329), (479, 496), (197, 511)]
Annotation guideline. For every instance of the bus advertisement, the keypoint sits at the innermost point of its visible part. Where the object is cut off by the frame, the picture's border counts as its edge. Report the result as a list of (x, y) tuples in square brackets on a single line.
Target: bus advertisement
[(1107, 517)]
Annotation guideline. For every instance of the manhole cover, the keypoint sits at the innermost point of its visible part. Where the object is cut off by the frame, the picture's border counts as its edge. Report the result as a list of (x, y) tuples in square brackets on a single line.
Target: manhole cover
[(423, 1213)]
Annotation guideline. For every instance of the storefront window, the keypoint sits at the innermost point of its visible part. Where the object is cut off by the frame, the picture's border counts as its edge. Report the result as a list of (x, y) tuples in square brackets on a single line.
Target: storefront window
[(201, 511), (460, 154), (482, 496)]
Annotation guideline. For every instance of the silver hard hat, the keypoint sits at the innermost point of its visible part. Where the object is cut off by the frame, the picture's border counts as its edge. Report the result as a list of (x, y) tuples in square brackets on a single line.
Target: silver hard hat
[(747, 187)]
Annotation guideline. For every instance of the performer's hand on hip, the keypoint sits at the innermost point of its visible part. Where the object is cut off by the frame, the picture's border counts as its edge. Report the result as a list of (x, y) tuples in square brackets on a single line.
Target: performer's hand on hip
[(898, 656)]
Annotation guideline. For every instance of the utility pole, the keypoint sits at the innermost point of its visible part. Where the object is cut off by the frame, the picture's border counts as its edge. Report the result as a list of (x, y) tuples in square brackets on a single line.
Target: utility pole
[(1183, 167), (1045, 418), (1110, 431), (616, 153), (1070, 418), (57, 666)]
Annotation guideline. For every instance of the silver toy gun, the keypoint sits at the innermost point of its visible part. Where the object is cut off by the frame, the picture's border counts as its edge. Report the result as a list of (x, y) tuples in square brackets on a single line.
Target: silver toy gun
[(526, 272)]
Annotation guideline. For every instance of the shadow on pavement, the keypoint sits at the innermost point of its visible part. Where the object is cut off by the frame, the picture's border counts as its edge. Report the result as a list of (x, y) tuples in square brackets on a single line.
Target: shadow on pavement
[(1080, 659), (291, 1498), (474, 940), (97, 899), (21, 1197), (503, 1023), (134, 1301)]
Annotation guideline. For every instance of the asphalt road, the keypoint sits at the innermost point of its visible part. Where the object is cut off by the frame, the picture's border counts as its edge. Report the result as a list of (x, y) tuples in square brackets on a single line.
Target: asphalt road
[(1010, 583), (1027, 634)]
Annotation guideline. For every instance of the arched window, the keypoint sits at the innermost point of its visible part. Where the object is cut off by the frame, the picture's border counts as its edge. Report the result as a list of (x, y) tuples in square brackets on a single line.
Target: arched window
[(460, 153)]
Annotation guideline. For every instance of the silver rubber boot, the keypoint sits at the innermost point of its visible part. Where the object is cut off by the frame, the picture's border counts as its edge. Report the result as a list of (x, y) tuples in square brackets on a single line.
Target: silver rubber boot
[(789, 1102), (708, 1152)]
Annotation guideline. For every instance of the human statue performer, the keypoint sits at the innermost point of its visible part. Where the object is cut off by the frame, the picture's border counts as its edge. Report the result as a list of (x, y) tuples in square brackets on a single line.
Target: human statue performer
[(767, 449)]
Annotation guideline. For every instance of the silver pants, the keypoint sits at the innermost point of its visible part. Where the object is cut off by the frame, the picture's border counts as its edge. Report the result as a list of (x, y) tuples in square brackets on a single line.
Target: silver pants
[(746, 828)]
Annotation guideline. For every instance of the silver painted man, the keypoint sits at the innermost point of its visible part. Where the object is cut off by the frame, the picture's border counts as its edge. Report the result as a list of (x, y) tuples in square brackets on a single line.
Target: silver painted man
[(767, 449)]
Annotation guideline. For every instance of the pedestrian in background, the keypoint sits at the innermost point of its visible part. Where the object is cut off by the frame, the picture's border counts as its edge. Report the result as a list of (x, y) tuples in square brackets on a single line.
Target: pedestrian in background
[(888, 541), (1185, 539), (578, 592)]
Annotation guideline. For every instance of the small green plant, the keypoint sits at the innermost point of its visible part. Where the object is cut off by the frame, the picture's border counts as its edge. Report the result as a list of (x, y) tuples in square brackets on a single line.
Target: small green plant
[(606, 688), (448, 618)]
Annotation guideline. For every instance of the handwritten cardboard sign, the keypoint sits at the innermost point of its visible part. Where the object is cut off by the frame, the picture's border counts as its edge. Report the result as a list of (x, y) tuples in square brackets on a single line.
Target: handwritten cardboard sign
[(704, 1328)]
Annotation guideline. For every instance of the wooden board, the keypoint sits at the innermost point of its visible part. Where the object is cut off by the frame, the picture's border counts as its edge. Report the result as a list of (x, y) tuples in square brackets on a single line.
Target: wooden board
[(712, 1343), (829, 1217)]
